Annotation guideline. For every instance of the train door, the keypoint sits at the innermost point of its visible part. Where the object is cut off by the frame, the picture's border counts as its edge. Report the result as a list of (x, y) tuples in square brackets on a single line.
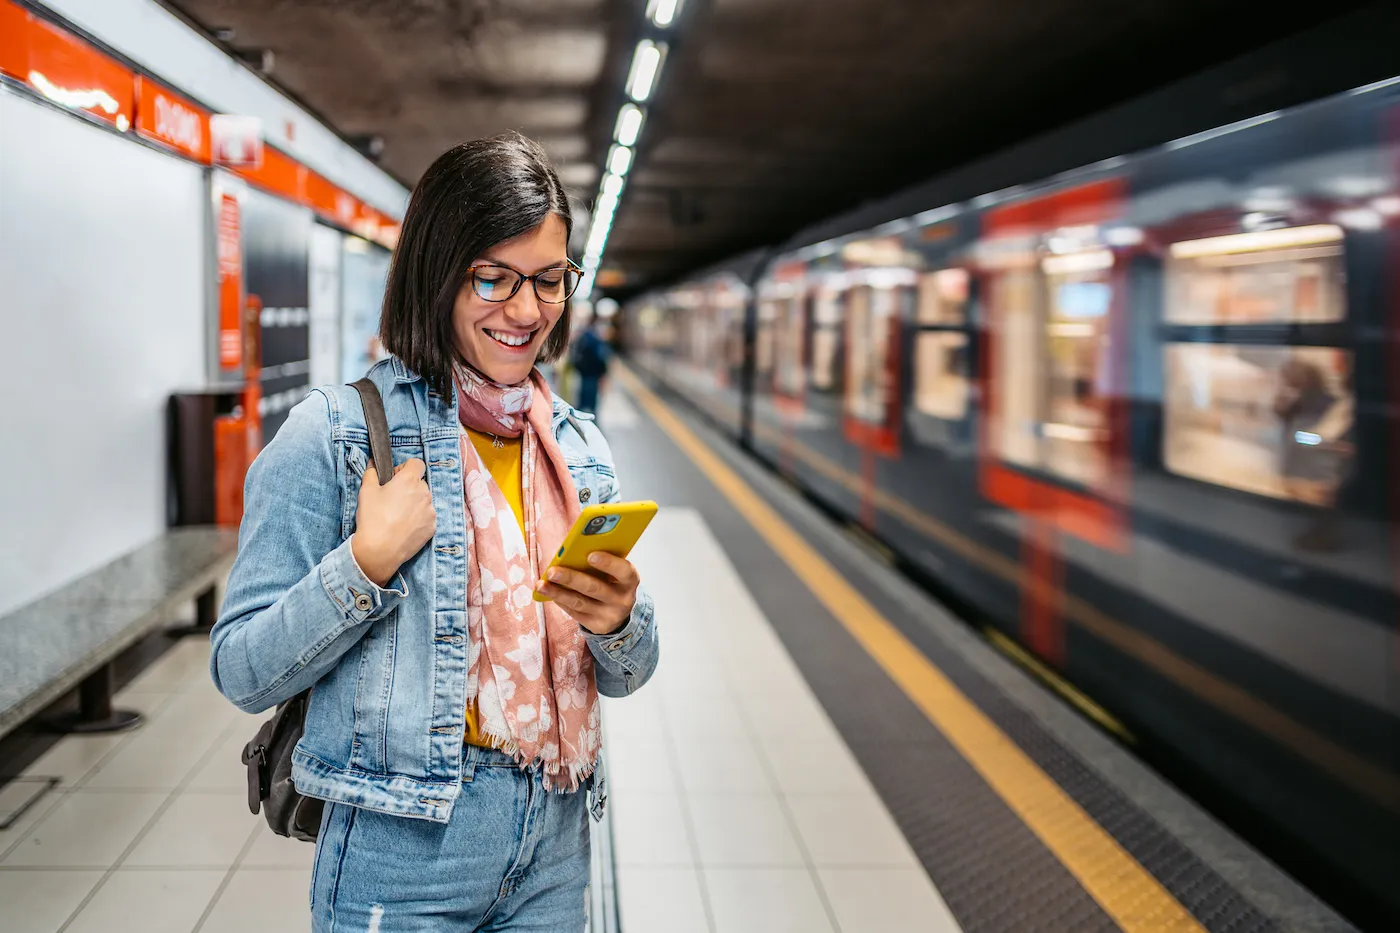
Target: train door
[(1053, 446), (827, 361), (872, 403)]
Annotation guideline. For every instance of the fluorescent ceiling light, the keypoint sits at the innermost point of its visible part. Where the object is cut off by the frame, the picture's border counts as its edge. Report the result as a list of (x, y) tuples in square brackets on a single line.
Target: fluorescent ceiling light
[(629, 124), (619, 160), (662, 12), (646, 62), (612, 184)]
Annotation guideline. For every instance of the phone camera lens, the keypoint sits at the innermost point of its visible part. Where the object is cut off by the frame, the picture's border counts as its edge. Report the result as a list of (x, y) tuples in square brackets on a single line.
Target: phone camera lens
[(595, 524)]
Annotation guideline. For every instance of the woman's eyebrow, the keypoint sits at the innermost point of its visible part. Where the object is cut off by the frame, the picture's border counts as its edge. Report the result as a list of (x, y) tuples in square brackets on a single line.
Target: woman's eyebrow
[(557, 264)]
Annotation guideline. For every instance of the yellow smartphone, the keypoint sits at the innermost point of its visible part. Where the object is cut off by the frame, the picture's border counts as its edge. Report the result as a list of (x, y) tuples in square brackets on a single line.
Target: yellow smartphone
[(614, 529)]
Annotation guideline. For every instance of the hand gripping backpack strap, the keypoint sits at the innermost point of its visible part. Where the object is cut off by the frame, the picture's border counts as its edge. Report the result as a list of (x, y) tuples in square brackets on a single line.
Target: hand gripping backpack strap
[(269, 755), (378, 426)]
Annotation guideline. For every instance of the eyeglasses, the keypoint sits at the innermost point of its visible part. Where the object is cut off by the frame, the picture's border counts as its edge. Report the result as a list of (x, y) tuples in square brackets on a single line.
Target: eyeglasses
[(500, 283)]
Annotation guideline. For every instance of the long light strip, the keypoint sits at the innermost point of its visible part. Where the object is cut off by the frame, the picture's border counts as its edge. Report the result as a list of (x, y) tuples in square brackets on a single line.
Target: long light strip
[(642, 80)]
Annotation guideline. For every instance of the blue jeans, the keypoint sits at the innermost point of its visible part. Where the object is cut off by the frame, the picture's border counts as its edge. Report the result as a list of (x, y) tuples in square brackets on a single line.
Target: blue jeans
[(513, 857)]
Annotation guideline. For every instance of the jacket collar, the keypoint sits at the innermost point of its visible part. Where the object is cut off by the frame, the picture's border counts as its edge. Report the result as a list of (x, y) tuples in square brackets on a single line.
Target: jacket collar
[(402, 373)]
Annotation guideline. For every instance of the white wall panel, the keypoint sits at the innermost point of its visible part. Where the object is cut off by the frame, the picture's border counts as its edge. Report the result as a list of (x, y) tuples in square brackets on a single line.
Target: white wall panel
[(324, 298), (102, 277), (149, 34)]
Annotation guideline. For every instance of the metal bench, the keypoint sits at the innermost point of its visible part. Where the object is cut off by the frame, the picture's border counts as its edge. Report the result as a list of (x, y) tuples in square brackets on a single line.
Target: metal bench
[(71, 637)]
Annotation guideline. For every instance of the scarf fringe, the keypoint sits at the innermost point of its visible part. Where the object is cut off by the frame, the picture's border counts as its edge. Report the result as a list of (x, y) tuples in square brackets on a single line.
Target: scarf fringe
[(578, 772)]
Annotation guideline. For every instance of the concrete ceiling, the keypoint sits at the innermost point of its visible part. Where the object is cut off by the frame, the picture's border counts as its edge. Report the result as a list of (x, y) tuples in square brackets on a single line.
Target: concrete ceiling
[(770, 114)]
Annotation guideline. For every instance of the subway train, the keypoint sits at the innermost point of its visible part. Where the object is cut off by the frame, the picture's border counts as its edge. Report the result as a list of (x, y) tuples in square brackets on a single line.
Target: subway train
[(1138, 419)]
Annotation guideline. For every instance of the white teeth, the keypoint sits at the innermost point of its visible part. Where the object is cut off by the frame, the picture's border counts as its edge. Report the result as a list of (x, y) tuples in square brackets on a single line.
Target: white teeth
[(510, 340)]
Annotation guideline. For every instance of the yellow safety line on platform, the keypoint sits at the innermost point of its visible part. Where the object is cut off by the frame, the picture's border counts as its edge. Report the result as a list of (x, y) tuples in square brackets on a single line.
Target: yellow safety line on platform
[(1114, 879)]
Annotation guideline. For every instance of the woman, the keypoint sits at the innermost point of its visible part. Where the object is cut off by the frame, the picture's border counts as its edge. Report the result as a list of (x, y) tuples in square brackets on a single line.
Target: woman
[(454, 727)]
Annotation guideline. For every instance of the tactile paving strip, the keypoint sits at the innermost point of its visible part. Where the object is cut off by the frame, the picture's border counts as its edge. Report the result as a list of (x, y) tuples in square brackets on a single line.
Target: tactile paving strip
[(1212, 900)]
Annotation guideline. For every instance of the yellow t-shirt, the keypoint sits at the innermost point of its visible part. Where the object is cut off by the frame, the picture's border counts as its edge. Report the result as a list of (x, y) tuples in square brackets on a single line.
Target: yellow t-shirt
[(504, 465)]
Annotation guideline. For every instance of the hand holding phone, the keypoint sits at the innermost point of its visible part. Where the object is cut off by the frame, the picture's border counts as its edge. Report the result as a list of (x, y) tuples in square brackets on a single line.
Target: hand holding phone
[(590, 576)]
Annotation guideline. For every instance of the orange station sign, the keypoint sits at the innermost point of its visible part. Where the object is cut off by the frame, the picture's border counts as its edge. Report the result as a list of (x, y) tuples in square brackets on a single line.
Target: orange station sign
[(167, 118), (72, 73)]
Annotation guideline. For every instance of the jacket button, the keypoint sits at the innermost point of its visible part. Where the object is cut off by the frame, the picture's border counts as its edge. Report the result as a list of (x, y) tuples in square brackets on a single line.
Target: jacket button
[(363, 602), (585, 494)]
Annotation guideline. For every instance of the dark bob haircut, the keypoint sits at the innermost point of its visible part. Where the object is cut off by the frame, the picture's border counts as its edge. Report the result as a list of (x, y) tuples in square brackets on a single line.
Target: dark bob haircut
[(472, 197)]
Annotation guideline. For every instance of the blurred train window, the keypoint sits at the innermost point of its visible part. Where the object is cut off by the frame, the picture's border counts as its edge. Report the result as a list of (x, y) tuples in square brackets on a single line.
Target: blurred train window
[(1052, 360), (872, 314), (790, 375), (1015, 422), (940, 367), (940, 352), (763, 344), (826, 339), (1275, 421), (1075, 429), (1291, 275), (943, 297)]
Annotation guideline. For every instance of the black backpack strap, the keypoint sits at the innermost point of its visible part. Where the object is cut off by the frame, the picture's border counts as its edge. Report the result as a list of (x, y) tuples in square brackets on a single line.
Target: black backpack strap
[(378, 425)]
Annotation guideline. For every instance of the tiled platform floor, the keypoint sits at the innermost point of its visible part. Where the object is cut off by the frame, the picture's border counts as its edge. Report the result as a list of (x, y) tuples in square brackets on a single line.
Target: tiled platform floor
[(736, 806)]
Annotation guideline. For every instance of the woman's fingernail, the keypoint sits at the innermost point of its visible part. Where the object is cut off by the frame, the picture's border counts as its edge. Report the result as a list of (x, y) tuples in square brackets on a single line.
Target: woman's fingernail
[(555, 575), (595, 559)]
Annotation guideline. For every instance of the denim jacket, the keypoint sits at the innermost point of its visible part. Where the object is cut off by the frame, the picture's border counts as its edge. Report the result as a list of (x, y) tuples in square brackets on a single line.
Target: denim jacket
[(384, 729)]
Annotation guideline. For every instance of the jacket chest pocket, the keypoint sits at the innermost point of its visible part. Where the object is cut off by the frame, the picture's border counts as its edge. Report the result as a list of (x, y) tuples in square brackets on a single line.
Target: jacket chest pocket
[(595, 482), (356, 460)]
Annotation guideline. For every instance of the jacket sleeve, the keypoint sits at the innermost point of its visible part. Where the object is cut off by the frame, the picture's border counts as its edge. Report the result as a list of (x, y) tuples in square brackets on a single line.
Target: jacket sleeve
[(296, 599), (625, 659)]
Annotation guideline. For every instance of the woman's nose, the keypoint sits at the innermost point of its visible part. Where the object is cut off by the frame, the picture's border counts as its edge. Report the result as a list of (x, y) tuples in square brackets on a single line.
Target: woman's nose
[(523, 307)]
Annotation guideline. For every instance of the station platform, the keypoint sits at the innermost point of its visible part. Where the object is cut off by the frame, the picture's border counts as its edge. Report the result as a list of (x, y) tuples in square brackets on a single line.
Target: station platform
[(822, 748)]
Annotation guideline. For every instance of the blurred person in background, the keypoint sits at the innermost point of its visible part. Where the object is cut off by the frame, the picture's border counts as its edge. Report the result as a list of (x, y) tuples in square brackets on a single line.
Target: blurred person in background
[(590, 360), (1316, 447), (454, 728)]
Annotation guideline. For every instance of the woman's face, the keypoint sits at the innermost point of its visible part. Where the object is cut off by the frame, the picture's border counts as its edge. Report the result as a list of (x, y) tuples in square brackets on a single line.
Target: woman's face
[(501, 339)]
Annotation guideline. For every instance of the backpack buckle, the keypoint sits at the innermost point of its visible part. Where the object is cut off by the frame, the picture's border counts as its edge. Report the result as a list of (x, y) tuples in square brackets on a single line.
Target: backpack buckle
[(259, 782)]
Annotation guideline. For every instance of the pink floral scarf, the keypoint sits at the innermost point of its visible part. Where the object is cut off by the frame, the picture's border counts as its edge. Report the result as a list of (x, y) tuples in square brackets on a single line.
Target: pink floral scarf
[(529, 668)]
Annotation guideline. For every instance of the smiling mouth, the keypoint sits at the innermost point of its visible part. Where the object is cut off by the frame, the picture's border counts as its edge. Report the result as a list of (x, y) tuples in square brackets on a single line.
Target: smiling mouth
[(514, 341)]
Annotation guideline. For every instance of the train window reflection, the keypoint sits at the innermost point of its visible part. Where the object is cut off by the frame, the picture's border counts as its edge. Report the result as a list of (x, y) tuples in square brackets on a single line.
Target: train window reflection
[(826, 340), (1052, 356), (1275, 421), (943, 297), (1291, 276), (868, 372), (1015, 423), (764, 339), (789, 378), (1075, 432), (940, 366)]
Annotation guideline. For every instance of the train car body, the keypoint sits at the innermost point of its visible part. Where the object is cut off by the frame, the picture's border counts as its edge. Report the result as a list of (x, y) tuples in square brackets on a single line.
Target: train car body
[(1142, 419)]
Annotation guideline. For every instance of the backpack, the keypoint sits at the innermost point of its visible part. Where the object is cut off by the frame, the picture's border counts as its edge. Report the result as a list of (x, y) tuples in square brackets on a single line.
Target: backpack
[(269, 755)]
